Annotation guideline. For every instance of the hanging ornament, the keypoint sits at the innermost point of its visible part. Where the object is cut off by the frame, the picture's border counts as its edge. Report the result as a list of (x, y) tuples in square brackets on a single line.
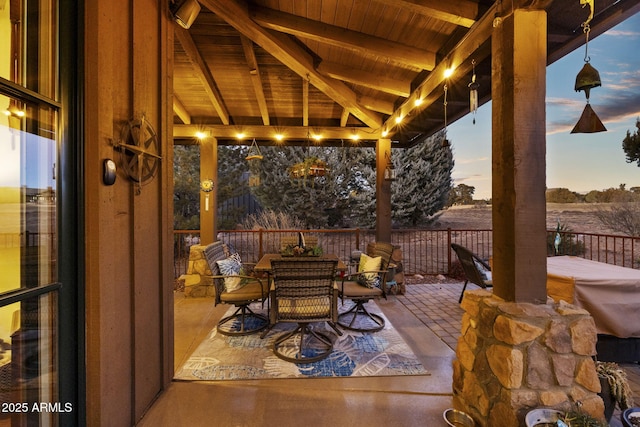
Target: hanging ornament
[(587, 79), (253, 157), (473, 92), (206, 186), (254, 152)]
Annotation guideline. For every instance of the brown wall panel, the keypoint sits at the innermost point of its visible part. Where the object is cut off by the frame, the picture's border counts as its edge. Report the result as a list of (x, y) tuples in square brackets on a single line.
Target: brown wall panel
[(128, 228)]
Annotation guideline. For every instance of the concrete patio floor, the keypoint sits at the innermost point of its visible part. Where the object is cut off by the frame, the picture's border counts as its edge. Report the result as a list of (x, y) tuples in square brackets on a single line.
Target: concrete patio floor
[(428, 316)]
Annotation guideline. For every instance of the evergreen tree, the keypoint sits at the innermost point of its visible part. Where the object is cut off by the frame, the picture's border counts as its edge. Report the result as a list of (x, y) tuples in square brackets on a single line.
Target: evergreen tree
[(357, 187), (304, 198), (461, 194), (631, 145), (186, 187), (423, 183), (232, 182)]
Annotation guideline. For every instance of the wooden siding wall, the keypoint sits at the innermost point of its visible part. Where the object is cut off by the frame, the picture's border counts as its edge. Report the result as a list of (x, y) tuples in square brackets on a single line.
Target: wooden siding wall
[(128, 57)]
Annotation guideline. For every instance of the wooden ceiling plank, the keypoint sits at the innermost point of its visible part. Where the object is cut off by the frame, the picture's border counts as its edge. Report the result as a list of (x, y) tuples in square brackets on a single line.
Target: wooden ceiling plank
[(291, 55), (180, 111), (256, 79), (338, 36), (364, 78), (201, 68), (459, 12)]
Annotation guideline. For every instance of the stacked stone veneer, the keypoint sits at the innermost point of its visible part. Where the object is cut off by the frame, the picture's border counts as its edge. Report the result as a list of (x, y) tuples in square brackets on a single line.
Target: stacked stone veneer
[(513, 357), (198, 281)]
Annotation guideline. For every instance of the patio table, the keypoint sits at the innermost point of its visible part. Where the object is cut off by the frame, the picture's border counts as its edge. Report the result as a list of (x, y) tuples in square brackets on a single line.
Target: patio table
[(264, 264), (609, 292)]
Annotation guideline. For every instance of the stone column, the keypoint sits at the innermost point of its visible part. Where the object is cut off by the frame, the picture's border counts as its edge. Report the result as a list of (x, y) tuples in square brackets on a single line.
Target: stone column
[(514, 357)]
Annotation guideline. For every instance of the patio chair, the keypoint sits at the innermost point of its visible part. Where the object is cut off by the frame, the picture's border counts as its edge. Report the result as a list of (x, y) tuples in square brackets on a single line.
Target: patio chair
[(304, 292), (366, 284), (238, 289), (475, 269)]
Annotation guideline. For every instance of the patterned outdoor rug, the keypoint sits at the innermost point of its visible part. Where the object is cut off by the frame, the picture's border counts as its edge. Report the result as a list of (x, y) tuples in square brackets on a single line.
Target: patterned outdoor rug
[(355, 354)]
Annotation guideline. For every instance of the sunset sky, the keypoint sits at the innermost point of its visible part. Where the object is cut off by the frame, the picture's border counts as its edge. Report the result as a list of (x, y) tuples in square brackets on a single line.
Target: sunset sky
[(580, 162)]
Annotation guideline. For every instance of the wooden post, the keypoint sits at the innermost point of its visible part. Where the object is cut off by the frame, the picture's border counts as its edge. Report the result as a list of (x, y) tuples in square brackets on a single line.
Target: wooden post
[(383, 193), (519, 147), (208, 170)]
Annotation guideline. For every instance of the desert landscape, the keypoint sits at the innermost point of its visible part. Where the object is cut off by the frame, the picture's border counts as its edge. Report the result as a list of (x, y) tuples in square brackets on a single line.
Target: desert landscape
[(578, 217)]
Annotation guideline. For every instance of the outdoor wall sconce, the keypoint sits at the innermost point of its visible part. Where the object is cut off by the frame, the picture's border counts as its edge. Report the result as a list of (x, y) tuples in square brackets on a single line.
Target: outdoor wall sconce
[(389, 170)]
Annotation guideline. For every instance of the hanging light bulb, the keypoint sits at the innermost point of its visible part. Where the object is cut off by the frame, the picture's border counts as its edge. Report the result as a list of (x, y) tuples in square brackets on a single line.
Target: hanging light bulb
[(473, 92)]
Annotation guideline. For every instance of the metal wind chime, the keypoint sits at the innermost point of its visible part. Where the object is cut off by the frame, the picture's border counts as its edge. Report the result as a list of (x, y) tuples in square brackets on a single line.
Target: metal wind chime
[(445, 141), (473, 92), (587, 79)]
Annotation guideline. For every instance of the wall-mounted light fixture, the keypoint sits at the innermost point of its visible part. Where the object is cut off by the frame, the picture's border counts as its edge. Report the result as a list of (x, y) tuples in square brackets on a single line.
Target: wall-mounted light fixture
[(389, 170), (185, 12)]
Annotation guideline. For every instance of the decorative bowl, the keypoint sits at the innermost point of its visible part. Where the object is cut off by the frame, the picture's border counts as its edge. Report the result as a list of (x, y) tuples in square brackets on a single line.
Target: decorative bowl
[(542, 417), (628, 416), (455, 418)]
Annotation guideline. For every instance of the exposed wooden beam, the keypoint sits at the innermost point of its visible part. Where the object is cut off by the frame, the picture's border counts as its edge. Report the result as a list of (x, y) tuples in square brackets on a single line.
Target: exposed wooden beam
[(344, 117), (459, 12), (305, 102), (359, 43), (256, 80), (201, 68), (365, 78), (430, 88), (180, 111), (236, 14), (377, 105), (269, 132)]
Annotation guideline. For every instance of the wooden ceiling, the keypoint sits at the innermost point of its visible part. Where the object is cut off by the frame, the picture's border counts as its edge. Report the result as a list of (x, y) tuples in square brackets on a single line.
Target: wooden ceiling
[(341, 67)]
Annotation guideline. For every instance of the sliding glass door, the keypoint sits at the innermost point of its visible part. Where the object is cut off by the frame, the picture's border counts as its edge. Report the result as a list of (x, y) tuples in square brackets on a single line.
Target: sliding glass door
[(29, 220)]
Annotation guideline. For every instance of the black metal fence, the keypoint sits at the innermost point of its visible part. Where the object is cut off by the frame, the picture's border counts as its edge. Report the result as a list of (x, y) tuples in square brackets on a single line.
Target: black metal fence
[(426, 252)]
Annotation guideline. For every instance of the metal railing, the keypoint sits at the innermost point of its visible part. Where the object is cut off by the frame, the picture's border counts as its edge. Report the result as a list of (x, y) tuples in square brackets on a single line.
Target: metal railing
[(426, 252)]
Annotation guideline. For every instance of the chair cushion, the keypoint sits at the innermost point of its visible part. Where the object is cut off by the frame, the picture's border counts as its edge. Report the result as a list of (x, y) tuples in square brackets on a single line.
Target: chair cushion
[(304, 309), (351, 289), (367, 263), (229, 267), (253, 290), (484, 273)]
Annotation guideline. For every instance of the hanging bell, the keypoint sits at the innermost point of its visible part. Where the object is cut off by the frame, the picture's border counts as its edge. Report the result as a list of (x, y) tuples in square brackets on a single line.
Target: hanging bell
[(589, 122), (587, 79)]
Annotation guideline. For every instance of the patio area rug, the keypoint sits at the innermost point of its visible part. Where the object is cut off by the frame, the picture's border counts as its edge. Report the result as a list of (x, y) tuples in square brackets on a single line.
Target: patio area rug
[(355, 354)]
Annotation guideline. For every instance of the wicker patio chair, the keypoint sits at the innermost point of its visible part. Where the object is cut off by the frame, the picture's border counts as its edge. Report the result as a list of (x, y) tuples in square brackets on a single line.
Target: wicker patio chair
[(475, 269), (358, 287), (304, 292), (244, 320)]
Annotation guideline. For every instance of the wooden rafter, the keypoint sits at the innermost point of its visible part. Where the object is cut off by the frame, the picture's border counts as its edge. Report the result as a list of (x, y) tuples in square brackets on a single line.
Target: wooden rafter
[(305, 102), (181, 111), (359, 43), (376, 104), (458, 59), (365, 78), (291, 55), (256, 80), (201, 68), (458, 12)]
